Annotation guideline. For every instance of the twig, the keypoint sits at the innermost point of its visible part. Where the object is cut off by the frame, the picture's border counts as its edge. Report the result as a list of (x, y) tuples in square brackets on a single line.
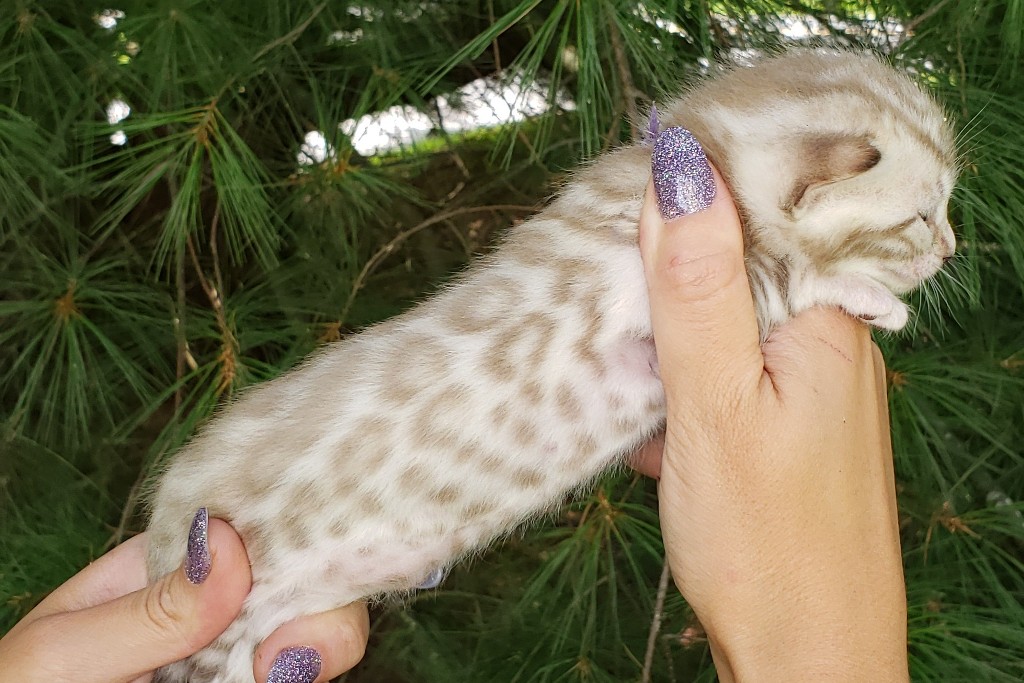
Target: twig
[(451, 150), (652, 635), (494, 43), (455, 190), (129, 509), (922, 17), (629, 90), (214, 222), (459, 237), (179, 328), (212, 290), (228, 341), (963, 72), (390, 247), (611, 138), (229, 346), (211, 293), (292, 35)]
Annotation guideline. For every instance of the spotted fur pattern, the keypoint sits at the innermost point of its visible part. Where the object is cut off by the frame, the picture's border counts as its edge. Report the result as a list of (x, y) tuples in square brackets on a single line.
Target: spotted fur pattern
[(400, 450)]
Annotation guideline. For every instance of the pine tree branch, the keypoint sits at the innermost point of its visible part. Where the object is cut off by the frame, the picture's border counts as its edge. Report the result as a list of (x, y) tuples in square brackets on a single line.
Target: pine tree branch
[(611, 138), (629, 90), (659, 611), (393, 244), (179, 329), (292, 35), (923, 17), (211, 292), (214, 222), (964, 109), (228, 354), (494, 43), (128, 509)]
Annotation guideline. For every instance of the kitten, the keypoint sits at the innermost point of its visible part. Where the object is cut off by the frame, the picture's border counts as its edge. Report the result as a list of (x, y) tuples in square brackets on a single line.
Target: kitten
[(390, 455)]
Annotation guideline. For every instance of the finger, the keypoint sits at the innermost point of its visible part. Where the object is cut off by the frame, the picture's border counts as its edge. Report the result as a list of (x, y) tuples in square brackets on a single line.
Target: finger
[(144, 630), (881, 382), (701, 307), (119, 572), (647, 459), (885, 434), (820, 348), (338, 638)]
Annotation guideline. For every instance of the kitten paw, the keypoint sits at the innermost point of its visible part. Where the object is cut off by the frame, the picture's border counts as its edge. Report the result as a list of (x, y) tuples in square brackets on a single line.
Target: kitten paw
[(875, 305), (861, 297), (894, 320)]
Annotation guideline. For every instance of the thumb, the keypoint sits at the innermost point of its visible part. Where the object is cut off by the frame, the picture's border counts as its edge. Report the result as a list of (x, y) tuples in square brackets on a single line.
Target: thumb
[(702, 312), (164, 622)]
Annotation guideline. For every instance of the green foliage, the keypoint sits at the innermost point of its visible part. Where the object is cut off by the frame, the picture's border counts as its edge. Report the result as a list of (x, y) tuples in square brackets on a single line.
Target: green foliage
[(146, 282)]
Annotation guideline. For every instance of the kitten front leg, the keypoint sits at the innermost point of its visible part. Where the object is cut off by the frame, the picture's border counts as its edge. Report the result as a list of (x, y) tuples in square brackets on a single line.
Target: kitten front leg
[(859, 296)]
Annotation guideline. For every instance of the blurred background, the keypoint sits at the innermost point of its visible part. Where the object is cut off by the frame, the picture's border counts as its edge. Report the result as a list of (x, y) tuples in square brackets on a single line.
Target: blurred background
[(194, 195)]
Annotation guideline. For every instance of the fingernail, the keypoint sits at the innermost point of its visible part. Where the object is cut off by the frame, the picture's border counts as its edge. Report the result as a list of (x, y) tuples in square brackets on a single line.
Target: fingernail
[(683, 180), (653, 126), (197, 558), (433, 579), (295, 665)]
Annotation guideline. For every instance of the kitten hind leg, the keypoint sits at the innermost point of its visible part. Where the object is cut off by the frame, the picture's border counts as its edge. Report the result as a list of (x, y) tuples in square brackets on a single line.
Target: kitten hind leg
[(228, 659), (859, 296), (178, 672)]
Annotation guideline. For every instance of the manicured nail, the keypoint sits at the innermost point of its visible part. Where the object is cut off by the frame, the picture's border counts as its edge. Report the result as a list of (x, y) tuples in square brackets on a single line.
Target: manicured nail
[(197, 558), (683, 180), (295, 665), (653, 126), (433, 579)]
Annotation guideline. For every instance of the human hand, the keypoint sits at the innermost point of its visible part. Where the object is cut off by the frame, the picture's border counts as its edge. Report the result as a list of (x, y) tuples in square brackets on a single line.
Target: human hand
[(777, 495), (106, 624)]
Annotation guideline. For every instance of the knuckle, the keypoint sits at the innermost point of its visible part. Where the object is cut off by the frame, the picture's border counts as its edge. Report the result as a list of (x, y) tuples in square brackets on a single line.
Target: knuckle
[(161, 609), (168, 615), (699, 277)]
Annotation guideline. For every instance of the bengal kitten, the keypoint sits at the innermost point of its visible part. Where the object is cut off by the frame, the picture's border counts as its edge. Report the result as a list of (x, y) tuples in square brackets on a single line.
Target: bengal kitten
[(388, 456)]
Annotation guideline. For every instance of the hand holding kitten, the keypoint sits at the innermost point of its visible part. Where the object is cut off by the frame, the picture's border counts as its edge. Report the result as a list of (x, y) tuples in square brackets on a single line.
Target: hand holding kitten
[(777, 496), (105, 624)]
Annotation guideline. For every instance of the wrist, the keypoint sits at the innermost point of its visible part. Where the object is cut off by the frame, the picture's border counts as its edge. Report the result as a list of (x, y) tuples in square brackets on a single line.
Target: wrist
[(839, 636)]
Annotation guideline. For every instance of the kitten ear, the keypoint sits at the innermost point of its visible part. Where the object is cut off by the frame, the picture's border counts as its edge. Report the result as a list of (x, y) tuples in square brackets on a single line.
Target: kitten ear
[(827, 159)]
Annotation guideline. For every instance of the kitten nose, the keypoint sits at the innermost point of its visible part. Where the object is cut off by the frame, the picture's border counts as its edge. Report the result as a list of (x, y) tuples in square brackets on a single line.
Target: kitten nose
[(945, 241), (946, 250)]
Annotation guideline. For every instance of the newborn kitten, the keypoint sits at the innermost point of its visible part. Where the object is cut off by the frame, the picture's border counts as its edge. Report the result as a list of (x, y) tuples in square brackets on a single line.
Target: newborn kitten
[(392, 454)]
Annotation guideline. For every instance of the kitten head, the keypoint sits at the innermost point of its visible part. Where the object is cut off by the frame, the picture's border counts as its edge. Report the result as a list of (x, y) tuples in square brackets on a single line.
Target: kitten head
[(874, 204), (842, 168)]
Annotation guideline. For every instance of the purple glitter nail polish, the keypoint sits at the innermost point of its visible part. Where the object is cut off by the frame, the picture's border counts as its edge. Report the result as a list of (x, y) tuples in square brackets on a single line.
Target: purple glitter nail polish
[(295, 665), (197, 558), (653, 126), (683, 180)]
